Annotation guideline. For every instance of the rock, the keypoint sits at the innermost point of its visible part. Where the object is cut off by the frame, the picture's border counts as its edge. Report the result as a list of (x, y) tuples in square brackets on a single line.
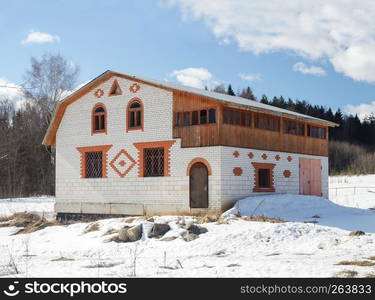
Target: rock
[(197, 229), (357, 233), (135, 233), (123, 234), (188, 236), (130, 234), (150, 219), (159, 230)]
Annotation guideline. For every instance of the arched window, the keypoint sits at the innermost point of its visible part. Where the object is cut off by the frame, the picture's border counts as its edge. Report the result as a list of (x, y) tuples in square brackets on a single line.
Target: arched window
[(99, 119), (135, 115)]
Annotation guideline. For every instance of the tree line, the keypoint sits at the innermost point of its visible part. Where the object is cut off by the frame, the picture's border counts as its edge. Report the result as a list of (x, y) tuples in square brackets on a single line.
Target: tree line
[(27, 167)]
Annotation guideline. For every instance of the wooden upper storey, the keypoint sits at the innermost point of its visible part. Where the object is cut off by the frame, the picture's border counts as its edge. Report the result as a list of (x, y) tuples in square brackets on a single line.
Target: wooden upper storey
[(202, 118), (199, 121)]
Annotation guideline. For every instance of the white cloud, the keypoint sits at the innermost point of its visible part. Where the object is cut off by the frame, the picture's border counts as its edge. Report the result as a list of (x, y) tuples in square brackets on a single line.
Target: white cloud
[(11, 92), (250, 77), (362, 110), (39, 37), (312, 70), (194, 77), (340, 31)]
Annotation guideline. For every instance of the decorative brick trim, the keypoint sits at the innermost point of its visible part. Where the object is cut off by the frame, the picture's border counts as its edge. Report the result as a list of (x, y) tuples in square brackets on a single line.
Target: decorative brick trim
[(115, 85), (135, 87), (128, 128), (93, 114), (258, 166), (277, 157), (287, 173), (122, 163), (160, 144), (236, 154), (103, 148), (99, 93), (237, 171), (264, 156), (289, 158), (199, 160), (251, 155)]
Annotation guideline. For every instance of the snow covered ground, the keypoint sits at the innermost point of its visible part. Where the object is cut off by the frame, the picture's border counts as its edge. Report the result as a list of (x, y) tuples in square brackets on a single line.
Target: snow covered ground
[(43, 205), (353, 191), (239, 248)]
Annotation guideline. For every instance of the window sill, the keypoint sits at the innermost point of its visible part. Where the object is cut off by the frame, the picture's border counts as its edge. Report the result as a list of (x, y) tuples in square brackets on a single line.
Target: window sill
[(99, 132), (263, 190), (134, 128)]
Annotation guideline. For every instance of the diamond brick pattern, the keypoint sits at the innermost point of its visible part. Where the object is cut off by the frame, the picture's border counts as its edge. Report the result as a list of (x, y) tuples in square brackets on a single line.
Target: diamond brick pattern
[(122, 163)]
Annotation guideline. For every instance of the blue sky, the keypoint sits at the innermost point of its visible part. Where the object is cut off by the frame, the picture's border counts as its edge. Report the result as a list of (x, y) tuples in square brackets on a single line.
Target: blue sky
[(200, 42)]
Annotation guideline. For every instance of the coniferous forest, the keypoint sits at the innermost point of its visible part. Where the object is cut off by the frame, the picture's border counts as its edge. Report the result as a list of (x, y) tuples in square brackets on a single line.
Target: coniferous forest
[(27, 166)]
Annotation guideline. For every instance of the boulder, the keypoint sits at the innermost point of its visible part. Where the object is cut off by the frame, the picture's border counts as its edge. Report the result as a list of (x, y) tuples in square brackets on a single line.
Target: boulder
[(130, 234), (123, 234), (197, 229), (135, 233), (188, 236), (159, 230)]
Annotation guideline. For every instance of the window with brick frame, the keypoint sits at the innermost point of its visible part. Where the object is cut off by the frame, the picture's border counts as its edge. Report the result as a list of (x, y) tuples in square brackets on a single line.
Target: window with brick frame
[(135, 114), (263, 177), (93, 161), (94, 164), (99, 119), (153, 162), (150, 158)]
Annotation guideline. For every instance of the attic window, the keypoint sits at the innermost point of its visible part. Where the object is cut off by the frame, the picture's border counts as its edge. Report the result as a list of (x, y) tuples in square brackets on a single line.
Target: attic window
[(135, 115), (99, 119), (115, 89)]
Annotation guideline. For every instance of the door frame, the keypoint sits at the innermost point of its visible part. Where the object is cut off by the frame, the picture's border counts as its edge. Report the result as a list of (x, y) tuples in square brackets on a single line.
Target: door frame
[(209, 173)]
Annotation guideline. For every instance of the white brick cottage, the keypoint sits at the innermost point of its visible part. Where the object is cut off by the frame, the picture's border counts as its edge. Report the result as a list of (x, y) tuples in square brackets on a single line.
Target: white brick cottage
[(127, 145)]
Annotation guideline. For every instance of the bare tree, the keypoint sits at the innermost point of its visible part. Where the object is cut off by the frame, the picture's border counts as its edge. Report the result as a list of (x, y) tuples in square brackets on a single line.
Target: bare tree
[(47, 80)]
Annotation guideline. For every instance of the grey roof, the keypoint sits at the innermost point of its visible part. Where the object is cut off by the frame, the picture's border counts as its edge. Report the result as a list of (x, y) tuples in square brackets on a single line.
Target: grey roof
[(229, 99)]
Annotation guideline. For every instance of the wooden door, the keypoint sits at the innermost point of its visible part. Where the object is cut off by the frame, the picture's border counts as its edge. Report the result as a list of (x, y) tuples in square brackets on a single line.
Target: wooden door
[(198, 186), (310, 177)]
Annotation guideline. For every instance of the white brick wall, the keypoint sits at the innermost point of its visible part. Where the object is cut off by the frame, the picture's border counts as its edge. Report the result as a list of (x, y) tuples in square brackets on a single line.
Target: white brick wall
[(164, 194), (236, 187), (137, 195)]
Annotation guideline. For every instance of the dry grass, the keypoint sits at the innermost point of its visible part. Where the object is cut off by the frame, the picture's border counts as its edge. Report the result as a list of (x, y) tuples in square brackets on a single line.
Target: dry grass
[(263, 218), (201, 219), (62, 258), (370, 276), (361, 263), (371, 258), (347, 274), (91, 228), (101, 265), (232, 265), (29, 222), (357, 233)]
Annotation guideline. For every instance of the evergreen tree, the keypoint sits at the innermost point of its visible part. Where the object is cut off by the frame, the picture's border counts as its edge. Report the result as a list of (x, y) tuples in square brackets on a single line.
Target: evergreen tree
[(230, 90)]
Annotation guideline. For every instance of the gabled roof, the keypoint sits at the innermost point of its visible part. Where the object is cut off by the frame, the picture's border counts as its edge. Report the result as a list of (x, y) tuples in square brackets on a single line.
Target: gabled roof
[(50, 137)]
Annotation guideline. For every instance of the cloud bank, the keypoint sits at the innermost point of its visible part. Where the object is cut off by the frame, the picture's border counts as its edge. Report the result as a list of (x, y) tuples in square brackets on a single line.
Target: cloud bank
[(339, 31)]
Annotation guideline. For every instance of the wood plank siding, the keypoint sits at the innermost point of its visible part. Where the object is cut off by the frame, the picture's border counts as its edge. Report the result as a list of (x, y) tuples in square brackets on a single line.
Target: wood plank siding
[(221, 134)]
